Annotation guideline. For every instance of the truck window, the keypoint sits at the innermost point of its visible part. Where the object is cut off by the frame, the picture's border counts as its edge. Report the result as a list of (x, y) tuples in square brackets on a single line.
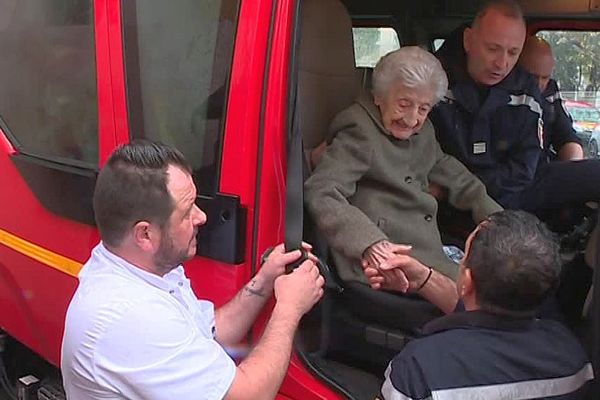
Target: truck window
[(371, 43), (177, 59), (578, 76), (48, 79)]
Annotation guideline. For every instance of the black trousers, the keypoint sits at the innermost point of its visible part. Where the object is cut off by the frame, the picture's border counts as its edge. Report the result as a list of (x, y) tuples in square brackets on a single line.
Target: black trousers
[(557, 196), (562, 185)]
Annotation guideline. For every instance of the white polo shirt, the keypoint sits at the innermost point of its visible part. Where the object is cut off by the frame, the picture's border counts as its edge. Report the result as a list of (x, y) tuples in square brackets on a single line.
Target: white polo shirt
[(130, 334)]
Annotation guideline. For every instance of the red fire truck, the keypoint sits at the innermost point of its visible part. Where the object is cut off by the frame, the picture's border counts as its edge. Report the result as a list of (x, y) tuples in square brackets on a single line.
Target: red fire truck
[(228, 82)]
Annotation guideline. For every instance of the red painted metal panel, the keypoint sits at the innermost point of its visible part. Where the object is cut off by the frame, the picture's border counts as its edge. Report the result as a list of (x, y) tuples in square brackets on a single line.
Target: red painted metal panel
[(5, 145), (299, 383), (210, 279), (238, 168), (117, 74), (106, 124), (40, 292), (34, 297)]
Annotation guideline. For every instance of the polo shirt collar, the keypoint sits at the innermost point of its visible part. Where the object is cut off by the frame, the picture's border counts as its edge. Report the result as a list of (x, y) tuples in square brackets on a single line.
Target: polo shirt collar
[(164, 283), (477, 319)]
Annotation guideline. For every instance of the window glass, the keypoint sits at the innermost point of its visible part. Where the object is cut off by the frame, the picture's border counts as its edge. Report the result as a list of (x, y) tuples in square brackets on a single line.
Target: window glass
[(371, 43), (577, 73), (178, 57), (48, 101)]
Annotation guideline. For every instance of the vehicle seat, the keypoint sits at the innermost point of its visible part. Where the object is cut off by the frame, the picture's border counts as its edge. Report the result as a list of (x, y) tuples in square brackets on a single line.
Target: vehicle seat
[(365, 75), (327, 78), (328, 82)]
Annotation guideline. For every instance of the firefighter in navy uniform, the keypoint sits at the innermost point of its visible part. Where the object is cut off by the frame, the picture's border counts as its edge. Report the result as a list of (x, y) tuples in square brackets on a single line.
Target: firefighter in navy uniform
[(492, 347), (491, 118), (560, 140)]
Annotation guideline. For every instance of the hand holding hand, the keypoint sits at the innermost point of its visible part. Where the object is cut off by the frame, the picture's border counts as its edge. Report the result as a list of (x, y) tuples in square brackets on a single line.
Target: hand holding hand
[(402, 273), (378, 254)]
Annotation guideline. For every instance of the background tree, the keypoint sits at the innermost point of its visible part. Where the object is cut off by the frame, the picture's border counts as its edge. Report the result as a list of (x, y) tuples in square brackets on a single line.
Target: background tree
[(577, 58)]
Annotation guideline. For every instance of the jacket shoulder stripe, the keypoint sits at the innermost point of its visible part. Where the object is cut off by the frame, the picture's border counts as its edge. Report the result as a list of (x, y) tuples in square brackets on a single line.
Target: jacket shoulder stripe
[(526, 100), (532, 389)]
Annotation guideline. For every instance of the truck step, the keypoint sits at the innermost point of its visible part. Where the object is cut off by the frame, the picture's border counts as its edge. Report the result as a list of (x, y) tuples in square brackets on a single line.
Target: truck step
[(51, 391)]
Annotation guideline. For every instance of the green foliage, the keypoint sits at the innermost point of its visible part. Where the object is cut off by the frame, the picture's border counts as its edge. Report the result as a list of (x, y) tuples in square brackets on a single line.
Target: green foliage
[(577, 57), (365, 40)]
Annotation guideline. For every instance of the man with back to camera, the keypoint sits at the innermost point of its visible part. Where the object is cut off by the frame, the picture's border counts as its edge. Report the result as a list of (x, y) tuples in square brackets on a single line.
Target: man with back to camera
[(135, 329), (537, 59), (494, 349), (491, 118)]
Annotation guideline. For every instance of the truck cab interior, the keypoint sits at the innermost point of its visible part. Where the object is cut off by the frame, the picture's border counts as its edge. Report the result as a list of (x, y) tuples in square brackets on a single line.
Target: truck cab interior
[(351, 336)]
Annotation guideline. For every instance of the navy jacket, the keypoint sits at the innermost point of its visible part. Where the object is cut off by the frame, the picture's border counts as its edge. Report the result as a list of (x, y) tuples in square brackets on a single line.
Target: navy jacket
[(558, 125), (495, 131), (478, 355)]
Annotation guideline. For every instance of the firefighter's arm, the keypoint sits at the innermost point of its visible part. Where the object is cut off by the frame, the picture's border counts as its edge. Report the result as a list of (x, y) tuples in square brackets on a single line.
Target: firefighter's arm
[(561, 134)]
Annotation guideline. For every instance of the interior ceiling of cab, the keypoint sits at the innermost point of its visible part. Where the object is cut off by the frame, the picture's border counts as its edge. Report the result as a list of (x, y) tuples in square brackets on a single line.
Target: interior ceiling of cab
[(466, 8), (418, 21)]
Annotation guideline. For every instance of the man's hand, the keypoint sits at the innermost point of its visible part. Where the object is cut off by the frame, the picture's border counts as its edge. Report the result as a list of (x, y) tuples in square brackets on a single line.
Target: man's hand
[(382, 251), (300, 290), (571, 151), (274, 265), (401, 273)]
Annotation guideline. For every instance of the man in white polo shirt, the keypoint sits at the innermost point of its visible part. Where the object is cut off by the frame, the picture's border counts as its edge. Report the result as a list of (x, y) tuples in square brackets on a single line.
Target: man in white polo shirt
[(135, 329)]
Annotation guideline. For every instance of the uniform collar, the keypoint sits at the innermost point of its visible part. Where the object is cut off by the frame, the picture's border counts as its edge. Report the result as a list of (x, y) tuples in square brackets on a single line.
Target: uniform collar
[(165, 282), (477, 319)]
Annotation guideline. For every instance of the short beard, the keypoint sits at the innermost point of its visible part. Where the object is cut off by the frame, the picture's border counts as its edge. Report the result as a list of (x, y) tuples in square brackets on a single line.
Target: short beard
[(168, 258)]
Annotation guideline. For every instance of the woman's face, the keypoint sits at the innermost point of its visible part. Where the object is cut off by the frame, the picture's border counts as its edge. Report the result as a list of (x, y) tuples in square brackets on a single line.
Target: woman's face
[(404, 109)]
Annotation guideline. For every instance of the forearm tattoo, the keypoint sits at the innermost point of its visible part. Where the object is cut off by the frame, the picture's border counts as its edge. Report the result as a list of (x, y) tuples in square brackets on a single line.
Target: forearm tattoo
[(252, 288)]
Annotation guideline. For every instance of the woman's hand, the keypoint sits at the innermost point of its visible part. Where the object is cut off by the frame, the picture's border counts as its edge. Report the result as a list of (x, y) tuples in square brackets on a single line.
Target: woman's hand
[(377, 255)]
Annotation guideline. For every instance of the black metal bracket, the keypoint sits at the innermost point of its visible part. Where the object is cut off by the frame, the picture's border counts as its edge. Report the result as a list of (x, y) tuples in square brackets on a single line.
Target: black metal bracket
[(223, 236)]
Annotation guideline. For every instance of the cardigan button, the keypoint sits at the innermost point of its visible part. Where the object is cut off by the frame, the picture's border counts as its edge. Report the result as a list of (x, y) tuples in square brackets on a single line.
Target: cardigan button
[(408, 179), (428, 217)]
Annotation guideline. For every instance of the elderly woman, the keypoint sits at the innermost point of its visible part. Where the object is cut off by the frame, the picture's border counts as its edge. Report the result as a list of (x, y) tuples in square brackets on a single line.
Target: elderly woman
[(369, 193)]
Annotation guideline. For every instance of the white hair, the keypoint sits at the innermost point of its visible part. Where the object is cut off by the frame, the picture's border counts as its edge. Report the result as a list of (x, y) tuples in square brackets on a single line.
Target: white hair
[(413, 67)]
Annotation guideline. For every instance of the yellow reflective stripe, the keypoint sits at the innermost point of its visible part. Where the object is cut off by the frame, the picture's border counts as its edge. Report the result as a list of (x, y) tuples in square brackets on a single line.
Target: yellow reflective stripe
[(45, 256)]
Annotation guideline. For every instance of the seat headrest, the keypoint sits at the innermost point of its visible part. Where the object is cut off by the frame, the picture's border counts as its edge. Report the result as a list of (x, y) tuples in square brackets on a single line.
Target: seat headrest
[(327, 80)]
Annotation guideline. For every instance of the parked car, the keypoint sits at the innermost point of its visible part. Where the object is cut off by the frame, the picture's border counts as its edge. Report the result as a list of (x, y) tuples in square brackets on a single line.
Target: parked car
[(586, 122)]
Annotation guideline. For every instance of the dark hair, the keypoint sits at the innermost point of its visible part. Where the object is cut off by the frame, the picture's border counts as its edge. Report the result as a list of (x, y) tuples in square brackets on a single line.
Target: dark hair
[(514, 263), (508, 8), (132, 187)]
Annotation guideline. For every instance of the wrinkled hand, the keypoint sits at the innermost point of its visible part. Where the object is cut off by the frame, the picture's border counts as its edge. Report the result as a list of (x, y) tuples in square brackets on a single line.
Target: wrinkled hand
[(402, 273), (382, 251), (317, 153), (300, 290), (438, 191), (274, 265)]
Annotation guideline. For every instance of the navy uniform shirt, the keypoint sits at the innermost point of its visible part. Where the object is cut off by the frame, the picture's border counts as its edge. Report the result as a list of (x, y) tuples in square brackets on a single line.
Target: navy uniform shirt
[(558, 125), (495, 131), (478, 355)]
